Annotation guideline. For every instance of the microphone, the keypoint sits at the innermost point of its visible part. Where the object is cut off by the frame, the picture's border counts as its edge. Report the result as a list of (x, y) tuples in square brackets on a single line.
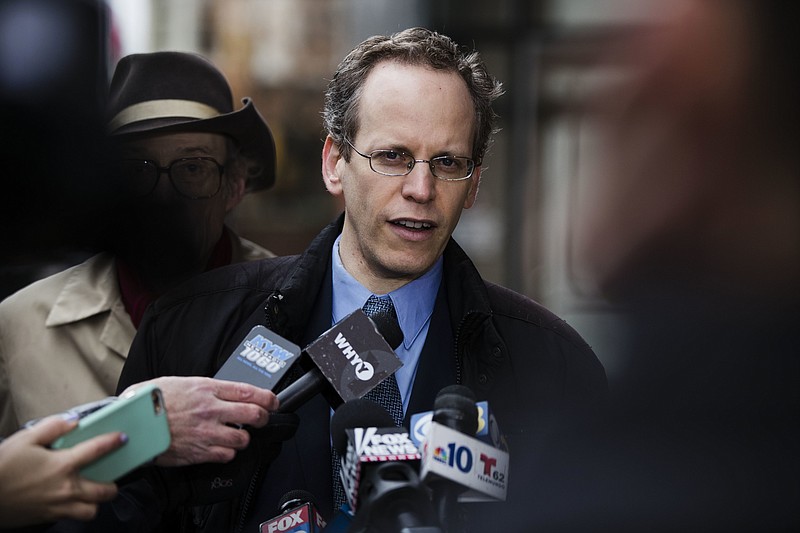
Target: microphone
[(352, 357), (379, 471), (454, 407), (488, 429), (355, 427), (298, 513), (261, 359), (450, 455)]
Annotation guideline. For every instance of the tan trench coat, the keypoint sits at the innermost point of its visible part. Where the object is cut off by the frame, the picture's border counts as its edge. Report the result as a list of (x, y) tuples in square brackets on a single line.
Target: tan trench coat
[(64, 339)]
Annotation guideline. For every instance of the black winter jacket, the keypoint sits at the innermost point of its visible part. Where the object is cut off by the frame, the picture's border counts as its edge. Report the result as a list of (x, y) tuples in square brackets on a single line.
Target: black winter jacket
[(532, 367)]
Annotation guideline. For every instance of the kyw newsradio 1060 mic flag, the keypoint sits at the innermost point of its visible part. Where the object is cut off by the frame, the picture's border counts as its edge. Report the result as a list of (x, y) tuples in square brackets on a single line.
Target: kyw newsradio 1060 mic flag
[(261, 359)]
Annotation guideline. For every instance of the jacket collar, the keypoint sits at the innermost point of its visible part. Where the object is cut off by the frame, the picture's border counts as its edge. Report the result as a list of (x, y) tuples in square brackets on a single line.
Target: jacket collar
[(288, 309), (479, 348), (468, 293), (90, 289), (478, 345), (302, 285)]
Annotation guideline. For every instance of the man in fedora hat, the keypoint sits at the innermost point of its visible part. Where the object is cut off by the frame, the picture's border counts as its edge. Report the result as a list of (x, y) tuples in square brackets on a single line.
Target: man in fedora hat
[(181, 159)]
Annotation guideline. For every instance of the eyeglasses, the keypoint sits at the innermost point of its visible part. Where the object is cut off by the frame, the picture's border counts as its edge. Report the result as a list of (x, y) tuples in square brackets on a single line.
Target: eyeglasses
[(395, 163), (193, 177)]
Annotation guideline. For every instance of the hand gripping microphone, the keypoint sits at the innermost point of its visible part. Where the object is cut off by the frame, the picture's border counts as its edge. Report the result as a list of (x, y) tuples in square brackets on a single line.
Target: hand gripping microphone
[(298, 513), (352, 357), (379, 471), (454, 407)]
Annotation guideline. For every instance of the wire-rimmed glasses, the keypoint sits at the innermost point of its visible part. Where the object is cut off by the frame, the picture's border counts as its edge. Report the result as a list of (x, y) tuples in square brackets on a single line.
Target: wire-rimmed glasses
[(397, 163)]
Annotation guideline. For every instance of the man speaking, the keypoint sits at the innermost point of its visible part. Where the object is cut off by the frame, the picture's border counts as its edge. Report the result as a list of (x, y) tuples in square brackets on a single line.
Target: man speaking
[(409, 118)]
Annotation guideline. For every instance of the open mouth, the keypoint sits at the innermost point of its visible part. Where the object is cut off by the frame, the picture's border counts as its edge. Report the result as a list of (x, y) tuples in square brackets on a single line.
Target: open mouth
[(412, 225)]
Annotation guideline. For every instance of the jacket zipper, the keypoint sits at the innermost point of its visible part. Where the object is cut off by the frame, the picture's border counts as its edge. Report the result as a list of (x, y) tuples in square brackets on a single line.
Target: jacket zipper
[(251, 489), (248, 498), (456, 349)]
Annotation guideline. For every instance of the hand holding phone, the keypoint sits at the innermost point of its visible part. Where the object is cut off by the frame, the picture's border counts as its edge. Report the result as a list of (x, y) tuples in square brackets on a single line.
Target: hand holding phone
[(138, 413)]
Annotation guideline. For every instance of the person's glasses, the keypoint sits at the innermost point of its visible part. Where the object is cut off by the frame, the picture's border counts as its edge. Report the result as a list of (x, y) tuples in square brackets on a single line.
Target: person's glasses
[(192, 177), (395, 163)]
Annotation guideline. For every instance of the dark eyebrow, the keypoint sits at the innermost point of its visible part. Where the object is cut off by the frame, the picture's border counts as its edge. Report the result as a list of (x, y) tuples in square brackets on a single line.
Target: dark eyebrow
[(393, 148), (203, 149), (135, 152), (403, 149)]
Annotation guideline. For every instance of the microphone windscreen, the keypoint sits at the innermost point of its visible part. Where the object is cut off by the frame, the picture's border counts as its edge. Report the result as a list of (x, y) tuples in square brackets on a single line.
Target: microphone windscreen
[(388, 326), (295, 498), (357, 413), (454, 407), (454, 392)]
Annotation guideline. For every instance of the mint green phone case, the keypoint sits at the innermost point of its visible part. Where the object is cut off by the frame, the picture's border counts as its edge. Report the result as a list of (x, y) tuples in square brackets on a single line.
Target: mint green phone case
[(141, 416)]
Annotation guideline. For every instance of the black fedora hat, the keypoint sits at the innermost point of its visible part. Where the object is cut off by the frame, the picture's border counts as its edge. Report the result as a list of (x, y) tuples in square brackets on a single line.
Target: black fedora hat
[(164, 92)]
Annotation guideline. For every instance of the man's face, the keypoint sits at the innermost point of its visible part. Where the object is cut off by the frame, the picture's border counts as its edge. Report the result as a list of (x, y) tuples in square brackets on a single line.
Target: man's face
[(165, 229), (396, 227)]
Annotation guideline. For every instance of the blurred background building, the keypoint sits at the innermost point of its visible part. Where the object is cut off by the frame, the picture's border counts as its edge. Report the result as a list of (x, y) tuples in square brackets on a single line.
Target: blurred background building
[(281, 53)]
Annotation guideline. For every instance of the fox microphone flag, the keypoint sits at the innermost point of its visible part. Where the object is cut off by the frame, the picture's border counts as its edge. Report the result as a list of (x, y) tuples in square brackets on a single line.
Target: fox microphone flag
[(298, 514)]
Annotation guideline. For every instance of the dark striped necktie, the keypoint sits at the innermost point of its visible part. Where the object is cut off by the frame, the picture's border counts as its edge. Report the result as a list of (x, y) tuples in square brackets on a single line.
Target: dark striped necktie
[(386, 394)]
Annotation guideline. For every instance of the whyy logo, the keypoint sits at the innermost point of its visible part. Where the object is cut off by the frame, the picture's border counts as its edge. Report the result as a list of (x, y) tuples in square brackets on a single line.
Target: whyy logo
[(364, 370)]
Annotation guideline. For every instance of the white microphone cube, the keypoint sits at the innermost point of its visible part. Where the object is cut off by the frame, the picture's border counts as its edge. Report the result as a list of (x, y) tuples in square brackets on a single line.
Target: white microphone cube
[(452, 455)]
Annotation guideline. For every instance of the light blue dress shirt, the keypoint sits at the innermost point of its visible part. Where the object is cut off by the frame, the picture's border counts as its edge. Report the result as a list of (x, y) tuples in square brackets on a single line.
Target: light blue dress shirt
[(413, 303)]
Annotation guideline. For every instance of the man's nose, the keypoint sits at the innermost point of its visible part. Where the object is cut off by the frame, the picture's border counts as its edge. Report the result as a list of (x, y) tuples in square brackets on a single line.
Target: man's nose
[(419, 185)]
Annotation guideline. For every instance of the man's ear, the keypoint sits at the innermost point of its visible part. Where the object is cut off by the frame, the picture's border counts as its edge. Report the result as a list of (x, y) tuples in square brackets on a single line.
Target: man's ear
[(331, 166), (237, 187), (474, 183)]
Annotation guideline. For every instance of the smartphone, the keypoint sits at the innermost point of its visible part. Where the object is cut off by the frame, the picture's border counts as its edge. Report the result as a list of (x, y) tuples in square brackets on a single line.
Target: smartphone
[(141, 415)]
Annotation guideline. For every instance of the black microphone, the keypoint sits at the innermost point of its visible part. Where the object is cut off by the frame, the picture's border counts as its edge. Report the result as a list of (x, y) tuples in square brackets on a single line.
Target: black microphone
[(458, 464), (454, 407), (298, 512), (379, 471), (359, 413), (352, 357)]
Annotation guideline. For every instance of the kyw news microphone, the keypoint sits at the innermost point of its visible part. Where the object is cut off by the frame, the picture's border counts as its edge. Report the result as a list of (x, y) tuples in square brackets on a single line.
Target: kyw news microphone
[(353, 356)]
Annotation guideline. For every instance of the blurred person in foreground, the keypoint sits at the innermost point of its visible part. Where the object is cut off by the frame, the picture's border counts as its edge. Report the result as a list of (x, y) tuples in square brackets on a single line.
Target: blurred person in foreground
[(409, 118), (181, 158), (694, 233), (55, 191), (45, 89)]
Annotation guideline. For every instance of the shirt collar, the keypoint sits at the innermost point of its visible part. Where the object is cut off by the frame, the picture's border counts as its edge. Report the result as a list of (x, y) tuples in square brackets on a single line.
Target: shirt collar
[(413, 302)]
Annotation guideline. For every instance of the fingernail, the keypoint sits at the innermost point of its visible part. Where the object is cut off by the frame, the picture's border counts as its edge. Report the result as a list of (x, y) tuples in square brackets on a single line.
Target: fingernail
[(70, 416), (123, 437)]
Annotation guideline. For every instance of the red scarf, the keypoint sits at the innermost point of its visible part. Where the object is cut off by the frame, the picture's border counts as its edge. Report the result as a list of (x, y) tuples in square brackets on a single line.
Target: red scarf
[(136, 297)]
